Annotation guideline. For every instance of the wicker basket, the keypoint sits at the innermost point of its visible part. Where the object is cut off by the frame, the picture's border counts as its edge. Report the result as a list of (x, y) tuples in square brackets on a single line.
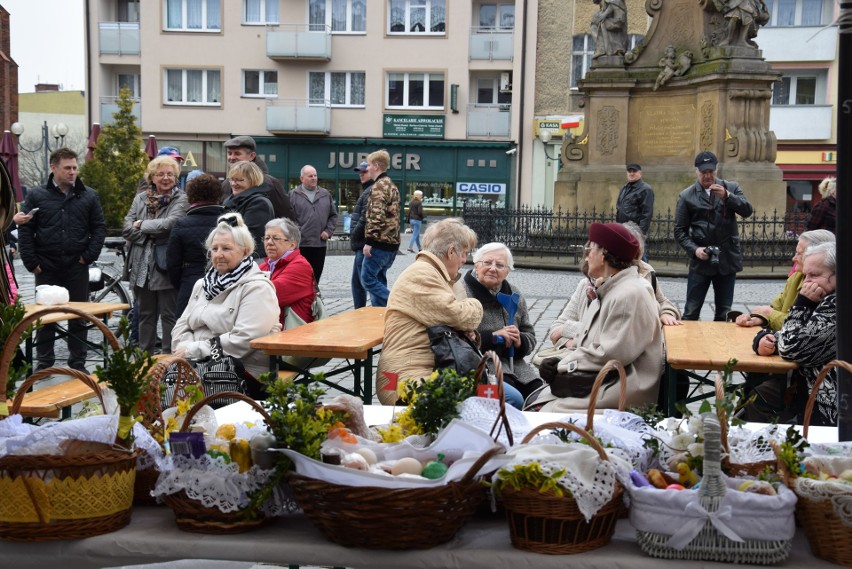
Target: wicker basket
[(545, 523), (51, 497), (828, 536), (195, 517), (381, 518), (731, 468), (151, 411), (709, 544)]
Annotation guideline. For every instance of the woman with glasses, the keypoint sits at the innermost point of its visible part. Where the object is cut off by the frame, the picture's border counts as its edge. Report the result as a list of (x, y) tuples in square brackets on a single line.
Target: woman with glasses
[(492, 264), (147, 227), (621, 321), (229, 306), (290, 272), (187, 252), (250, 198)]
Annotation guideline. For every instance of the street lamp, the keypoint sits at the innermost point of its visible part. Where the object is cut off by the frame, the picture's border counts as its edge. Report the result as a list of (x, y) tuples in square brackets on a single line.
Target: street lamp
[(546, 136), (59, 130)]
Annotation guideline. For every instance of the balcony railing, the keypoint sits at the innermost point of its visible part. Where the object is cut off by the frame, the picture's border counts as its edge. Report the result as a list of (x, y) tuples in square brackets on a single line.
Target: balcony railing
[(297, 41), (801, 122), (491, 44), (121, 38), (109, 106), (765, 240), (296, 115), (492, 121)]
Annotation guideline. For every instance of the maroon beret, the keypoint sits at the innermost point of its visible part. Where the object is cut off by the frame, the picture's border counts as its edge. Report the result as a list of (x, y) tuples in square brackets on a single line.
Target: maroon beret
[(616, 239)]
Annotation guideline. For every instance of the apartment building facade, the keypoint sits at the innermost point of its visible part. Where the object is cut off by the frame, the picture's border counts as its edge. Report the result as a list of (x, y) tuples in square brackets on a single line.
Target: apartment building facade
[(325, 82)]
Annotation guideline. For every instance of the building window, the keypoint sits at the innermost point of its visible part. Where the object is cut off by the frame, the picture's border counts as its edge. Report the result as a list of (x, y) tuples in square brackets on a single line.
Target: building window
[(192, 15), (341, 89), (500, 17), (338, 15), (798, 12), (807, 87), (488, 92), (258, 83), (193, 87), (417, 17), (415, 91), (129, 81), (260, 12), (581, 57)]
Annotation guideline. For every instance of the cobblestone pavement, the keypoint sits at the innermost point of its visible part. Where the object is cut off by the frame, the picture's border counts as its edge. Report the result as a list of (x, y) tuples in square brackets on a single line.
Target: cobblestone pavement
[(545, 290)]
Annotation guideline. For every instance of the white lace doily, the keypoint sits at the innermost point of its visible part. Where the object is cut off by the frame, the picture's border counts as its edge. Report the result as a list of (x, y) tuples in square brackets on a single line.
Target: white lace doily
[(621, 430), (590, 479), (482, 412), (215, 484)]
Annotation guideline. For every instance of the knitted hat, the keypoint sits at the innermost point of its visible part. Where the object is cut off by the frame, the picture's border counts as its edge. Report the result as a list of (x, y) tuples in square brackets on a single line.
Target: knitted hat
[(616, 239)]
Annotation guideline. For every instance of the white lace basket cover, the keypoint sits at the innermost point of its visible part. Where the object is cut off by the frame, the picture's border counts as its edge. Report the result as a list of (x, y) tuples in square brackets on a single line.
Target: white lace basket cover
[(622, 430), (482, 412), (714, 523), (839, 493)]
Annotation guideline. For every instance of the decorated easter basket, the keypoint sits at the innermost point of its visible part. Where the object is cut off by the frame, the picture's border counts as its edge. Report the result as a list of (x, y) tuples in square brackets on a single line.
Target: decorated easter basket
[(193, 514), (544, 522), (52, 497), (714, 523), (824, 509), (374, 517)]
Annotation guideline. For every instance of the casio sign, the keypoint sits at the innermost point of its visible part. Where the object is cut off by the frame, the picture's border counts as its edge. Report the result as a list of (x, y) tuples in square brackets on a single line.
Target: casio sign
[(480, 188)]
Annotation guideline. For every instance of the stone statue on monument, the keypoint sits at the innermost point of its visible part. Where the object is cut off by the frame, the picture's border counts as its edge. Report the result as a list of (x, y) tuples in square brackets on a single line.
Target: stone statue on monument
[(672, 65), (609, 25), (744, 18)]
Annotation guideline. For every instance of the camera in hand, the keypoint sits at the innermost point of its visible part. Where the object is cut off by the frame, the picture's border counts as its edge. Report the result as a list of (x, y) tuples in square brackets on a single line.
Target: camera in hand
[(713, 252)]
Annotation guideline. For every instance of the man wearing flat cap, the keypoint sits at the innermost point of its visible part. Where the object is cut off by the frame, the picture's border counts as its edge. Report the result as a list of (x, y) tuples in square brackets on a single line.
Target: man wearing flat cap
[(356, 235), (621, 322), (242, 148), (635, 201), (706, 228)]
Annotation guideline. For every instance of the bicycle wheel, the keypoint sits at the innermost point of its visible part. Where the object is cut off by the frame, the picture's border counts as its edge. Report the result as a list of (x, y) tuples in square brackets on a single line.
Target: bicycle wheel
[(113, 291)]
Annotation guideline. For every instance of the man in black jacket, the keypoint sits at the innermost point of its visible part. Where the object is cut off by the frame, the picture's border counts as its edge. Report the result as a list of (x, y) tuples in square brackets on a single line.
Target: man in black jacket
[(242, 148), (358, 223), (636, 202), (59, 243), (706, 228)]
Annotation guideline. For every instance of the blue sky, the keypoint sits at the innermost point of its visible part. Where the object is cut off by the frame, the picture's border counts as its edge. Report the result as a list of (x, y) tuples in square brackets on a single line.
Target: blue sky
[(48, 42)]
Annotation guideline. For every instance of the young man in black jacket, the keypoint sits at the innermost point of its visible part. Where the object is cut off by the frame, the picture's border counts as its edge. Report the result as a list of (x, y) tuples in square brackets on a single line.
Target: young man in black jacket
[(358, 222)]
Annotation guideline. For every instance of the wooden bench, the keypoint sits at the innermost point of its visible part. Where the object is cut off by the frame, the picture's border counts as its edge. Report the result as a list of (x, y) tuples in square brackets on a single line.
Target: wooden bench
[(55, 401)]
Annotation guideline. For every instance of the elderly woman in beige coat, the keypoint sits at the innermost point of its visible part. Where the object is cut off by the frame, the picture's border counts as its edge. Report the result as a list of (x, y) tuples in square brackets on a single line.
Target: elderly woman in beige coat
[(426, 294)]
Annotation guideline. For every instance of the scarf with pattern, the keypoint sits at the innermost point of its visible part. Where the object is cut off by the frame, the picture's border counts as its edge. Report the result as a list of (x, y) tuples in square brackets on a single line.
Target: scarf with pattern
[(215, 284), (154, 200)]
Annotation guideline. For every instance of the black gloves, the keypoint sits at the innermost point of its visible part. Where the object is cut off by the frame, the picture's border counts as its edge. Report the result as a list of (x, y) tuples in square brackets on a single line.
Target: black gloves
[(548, 370)]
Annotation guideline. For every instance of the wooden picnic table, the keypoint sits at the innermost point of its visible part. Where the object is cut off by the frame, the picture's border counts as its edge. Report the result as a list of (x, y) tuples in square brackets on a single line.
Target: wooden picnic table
[(708, 346), (350, 335)]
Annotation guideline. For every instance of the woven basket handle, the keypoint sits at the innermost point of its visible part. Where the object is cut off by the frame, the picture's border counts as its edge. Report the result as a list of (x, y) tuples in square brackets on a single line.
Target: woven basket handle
[(501, 423), (596, 387), (809, 408), (480, 462), (593, 442), (719, 384), (47, 372), (223, 394), (15, 337)]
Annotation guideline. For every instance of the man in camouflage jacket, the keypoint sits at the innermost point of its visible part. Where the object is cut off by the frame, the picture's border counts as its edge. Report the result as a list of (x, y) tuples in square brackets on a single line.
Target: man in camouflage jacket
[(381, 233)]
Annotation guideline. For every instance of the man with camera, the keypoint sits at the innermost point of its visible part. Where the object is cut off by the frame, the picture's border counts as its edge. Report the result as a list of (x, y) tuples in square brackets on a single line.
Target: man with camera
[(706, 228)]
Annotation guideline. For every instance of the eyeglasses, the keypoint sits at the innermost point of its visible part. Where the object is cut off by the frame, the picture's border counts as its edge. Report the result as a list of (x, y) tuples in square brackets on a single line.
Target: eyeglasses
[(164, 175), (496, 264), (274, 239)]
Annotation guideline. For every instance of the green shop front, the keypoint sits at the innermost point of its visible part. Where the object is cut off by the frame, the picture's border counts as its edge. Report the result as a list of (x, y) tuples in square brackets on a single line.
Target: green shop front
[(449, 173)]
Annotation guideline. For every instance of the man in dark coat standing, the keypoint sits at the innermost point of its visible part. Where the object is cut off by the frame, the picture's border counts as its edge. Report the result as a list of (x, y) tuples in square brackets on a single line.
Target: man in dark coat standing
[(243, 148), (706, 228), (64, 235), (358, 222), (636, 202)]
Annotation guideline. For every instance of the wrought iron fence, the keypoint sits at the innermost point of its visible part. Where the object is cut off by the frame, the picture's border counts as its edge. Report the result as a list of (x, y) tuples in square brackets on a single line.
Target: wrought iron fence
[(765, 240)]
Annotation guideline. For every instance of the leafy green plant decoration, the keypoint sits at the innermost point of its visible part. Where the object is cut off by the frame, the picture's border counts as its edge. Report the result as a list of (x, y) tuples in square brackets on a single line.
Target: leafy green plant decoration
[(530, 476), (10, 316), (434, 401)]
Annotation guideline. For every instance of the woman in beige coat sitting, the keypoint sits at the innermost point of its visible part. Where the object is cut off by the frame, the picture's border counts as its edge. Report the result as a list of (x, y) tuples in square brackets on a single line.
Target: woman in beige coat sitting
[(425, 295)]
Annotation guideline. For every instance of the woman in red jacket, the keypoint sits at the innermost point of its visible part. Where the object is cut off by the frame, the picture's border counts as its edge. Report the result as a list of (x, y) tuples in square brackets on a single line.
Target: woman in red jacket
[(291, 273)]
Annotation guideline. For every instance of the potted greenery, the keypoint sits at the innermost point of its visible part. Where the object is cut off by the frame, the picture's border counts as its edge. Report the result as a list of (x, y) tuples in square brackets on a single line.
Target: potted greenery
[(125, 371)]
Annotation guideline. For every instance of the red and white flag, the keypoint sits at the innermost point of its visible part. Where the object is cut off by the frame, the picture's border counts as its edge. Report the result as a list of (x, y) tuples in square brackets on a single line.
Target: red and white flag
[(572, 121)]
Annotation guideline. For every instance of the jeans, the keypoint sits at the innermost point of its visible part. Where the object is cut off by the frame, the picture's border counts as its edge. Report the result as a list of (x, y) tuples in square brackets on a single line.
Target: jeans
[(359, 295), (75, 278), (696, 291), (415, 233), (513, 396), (374, 275)]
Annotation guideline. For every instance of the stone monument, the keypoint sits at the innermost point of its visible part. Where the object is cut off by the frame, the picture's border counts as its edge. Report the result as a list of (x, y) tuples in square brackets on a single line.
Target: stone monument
[(696, 82)]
